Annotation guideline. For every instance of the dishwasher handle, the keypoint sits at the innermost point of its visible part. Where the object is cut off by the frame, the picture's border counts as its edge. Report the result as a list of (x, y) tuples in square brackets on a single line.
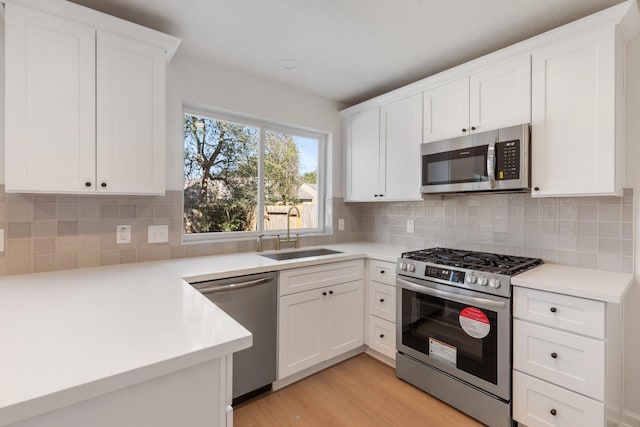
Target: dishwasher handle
[(233, 286)]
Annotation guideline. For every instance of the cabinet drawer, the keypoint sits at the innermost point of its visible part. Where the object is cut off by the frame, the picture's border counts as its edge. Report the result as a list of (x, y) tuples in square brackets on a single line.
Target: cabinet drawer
[(579, 315), (382, 336), (382, 301), (534, 401), (382, 271), (319, 276), (565, 359)]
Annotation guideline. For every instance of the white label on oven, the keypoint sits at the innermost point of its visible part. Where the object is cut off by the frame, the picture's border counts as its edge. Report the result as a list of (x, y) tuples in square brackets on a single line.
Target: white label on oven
[(442, 351), (474, 322)]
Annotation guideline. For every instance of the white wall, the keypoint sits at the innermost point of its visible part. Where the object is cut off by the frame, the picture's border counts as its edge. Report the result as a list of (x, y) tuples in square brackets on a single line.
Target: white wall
[(632, 310), (207, 85)]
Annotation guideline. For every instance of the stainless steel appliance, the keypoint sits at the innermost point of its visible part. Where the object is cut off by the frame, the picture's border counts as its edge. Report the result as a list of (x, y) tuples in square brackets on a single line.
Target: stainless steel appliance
[(454, 328), (486, 161), (252, 302)]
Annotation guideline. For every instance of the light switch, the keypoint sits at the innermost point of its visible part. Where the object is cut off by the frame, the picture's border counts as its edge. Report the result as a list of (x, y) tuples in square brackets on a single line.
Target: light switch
[(1, 240), (411, 226), (341, 224), (158, 233)]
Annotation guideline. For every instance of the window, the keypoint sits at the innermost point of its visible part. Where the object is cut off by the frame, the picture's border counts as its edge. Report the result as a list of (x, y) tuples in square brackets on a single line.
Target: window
[(244, 177)]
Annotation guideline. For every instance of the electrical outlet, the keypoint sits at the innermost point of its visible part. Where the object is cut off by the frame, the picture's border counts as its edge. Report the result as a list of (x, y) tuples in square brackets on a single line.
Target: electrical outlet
[(123, 234), (341, 224), (411, 226), (158, 233)]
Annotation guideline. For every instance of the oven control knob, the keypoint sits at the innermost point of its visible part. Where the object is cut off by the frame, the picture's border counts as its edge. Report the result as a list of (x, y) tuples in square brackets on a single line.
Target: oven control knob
[(411, 267), (471, 278), (494, 283), (403, 266), (482, 281)]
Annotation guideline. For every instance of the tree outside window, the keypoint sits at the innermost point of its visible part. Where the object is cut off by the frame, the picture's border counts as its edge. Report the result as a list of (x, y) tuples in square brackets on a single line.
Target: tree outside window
[(243, 178)]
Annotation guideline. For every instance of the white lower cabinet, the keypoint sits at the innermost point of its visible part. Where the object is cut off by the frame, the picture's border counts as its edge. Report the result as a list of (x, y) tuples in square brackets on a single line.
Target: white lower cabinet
[(319, 324), (566, 358), (539, 403), (381, 308)]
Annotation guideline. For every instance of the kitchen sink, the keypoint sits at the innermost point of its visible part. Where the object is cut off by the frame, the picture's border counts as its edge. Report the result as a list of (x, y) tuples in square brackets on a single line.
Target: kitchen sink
[(282, 256)]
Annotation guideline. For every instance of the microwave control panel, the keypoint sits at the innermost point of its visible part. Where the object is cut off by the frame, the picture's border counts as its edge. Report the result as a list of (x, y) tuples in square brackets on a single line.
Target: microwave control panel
[(508, 160)]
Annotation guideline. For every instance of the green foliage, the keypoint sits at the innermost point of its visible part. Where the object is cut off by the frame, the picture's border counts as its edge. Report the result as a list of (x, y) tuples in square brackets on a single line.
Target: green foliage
[(310, 178), (221, 174)]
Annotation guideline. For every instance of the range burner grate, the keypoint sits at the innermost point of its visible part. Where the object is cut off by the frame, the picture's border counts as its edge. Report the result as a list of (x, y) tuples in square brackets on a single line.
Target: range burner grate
[(481, 261)]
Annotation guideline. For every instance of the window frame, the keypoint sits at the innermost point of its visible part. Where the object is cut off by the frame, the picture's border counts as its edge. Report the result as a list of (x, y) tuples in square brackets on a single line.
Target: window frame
[(263, 125)]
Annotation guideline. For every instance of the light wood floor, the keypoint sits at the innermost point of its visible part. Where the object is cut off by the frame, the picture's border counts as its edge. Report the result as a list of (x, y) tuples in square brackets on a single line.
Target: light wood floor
[(361, 391)]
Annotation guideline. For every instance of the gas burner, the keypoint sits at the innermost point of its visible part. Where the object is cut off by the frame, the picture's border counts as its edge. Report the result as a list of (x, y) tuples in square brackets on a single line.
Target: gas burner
[(480, 261)]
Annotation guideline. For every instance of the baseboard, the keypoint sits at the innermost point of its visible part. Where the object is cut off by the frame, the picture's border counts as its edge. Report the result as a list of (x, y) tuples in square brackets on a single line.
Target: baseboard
[(317, 368), (629, 419), (381, 357)]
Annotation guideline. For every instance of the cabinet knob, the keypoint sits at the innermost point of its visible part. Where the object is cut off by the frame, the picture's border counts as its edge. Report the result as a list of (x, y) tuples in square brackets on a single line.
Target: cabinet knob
[(381, 335), (553, 309), (554, 355), (536, 188), (473, 128), (553, 412), (330, 292), (87, 184), (381, 271), (324, 294), (375, 195), (381, 299), (103, 185), (464, 130)]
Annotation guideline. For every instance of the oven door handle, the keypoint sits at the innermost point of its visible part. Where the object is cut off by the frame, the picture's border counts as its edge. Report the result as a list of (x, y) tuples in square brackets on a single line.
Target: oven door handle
[(463, 299)]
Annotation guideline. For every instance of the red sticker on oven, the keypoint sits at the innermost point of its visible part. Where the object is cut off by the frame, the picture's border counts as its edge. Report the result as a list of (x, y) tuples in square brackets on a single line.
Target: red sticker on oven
[(474, 322)]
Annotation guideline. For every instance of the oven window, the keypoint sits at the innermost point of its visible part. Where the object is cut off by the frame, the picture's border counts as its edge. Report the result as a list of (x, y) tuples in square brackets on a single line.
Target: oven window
[(451, 167), (433, 326)]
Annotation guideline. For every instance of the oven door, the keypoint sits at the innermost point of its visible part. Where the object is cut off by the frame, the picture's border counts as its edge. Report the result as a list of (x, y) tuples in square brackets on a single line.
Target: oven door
[(463, 333)]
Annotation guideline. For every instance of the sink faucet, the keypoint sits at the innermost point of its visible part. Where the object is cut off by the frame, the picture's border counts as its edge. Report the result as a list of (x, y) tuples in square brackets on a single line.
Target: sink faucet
[(289, 239)]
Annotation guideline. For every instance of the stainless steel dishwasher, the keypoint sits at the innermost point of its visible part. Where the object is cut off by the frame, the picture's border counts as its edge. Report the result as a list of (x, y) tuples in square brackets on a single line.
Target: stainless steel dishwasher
[(252, 302)]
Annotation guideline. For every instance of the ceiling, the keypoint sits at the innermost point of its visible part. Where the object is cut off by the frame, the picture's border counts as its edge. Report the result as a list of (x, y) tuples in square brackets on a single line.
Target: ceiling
[(347, 50)]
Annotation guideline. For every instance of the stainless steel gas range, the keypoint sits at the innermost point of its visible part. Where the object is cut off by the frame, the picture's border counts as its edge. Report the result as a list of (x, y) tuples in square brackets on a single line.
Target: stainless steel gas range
[(453, 322)]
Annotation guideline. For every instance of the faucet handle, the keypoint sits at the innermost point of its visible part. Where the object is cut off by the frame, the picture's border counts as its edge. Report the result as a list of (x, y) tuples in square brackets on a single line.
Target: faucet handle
[(259, 241)]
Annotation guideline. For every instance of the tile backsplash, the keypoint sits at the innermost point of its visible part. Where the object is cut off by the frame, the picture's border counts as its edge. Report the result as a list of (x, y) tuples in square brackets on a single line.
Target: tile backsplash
[(592, 232), (57, 232)]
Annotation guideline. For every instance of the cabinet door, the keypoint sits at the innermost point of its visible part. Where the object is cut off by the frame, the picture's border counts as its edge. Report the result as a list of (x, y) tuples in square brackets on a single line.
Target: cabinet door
[(574, 116), (345, 318), (401, 131), (446, 111), (301, 331), (130, 111), (362, 163), (500, 96), (50, 89)]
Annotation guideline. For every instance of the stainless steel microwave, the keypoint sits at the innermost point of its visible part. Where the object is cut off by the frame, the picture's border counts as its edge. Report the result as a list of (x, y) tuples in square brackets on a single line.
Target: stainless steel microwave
[(496, 160)]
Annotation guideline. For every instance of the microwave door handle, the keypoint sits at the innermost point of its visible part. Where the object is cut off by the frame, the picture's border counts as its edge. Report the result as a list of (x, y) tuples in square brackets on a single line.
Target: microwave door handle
[(463, 299), (491, 163)]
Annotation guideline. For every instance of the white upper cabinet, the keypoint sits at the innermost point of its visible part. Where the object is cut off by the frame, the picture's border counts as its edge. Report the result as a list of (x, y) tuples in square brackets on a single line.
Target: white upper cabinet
[(500, 96), (50, 117), (495, 97), (401, 131), (578, 102), (446, 110), (362, 135), (85, 101), (130, 116), (383, 152)]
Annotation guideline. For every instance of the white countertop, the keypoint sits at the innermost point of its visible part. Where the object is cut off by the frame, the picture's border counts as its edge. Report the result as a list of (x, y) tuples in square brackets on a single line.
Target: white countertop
[(71, 335), (580, 282)]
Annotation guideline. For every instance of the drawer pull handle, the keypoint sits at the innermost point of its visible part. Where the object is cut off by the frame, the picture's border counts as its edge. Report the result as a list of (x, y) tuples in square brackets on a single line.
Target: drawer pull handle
[(381, 335), (324, 294), (330, 292), (554, 355), (553, 309), (381, 299), (553, 412)]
